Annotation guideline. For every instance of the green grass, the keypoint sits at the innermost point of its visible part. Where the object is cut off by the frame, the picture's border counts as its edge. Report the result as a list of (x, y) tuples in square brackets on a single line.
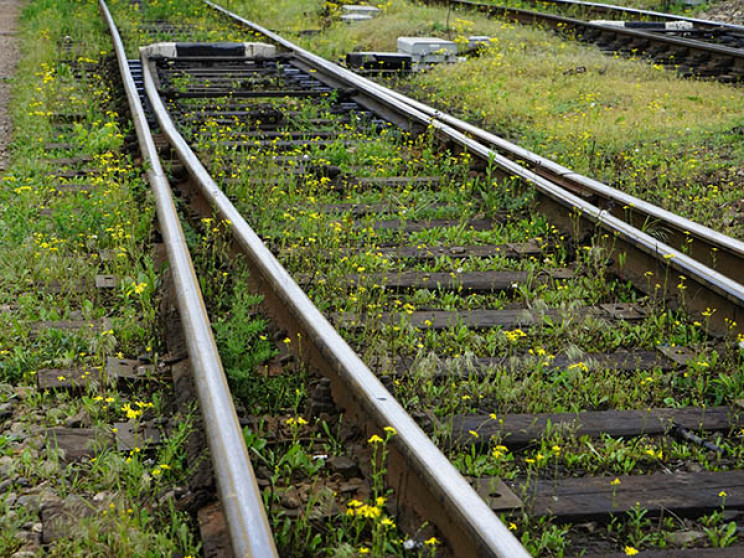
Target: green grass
[(624, 129), (53, 242), (674, 142)]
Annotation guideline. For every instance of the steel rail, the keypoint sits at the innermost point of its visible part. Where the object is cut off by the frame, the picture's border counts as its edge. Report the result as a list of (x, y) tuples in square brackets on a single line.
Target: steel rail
[(611, 8), (714, 290), (562, 23), (239, 494), (436, 487), (708, 246)]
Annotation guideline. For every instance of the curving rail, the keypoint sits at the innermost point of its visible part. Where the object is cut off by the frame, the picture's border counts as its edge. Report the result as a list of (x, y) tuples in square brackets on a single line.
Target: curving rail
[(422, 474), (712, 288), (696, 56), (239, 493)]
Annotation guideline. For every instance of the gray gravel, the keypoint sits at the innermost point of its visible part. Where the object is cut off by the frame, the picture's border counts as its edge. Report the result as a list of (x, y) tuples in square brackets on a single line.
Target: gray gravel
[(731, 11)]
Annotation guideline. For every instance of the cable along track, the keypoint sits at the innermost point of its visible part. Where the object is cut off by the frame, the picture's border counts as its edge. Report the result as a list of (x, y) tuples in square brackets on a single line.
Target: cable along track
[(256, 121)]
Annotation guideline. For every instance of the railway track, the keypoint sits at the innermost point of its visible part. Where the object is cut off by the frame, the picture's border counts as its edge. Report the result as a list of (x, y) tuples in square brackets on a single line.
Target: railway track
[(705, 246), (616, 12), (81, 380), (473, 534), (431, 256), (698, 48)]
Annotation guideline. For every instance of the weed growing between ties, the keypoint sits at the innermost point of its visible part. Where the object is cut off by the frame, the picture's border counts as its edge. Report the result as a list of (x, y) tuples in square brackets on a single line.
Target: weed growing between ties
[(74, 206), (320, 502), (632, 124), (300, 215), (293, 210)]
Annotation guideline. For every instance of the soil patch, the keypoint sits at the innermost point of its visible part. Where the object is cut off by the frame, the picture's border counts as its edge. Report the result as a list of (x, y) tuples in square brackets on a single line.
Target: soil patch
[(9, 11)]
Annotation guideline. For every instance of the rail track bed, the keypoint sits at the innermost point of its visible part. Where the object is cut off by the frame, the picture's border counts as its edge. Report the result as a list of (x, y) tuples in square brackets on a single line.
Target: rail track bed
[(580, 390), (437, 343), (694, 47)]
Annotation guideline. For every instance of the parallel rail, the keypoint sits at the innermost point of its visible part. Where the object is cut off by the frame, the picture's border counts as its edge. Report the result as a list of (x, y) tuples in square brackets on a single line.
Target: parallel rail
[(438, 490), (697, 57), (239, 493), (563, 193), (422, 475)]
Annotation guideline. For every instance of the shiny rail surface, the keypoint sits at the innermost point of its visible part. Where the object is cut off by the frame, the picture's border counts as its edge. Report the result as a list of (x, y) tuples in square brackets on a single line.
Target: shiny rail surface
[(239, 494), (693, 57), (563, 192), (423, 476), (611, 9)]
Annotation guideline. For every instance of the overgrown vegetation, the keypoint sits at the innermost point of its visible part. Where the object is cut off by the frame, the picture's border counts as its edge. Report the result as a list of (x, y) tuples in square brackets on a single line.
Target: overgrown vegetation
[(630, 123), (592, 128), (73, 205)]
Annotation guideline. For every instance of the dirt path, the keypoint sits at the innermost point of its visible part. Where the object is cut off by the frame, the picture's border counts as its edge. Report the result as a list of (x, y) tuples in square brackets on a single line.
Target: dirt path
[(9, 12)]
